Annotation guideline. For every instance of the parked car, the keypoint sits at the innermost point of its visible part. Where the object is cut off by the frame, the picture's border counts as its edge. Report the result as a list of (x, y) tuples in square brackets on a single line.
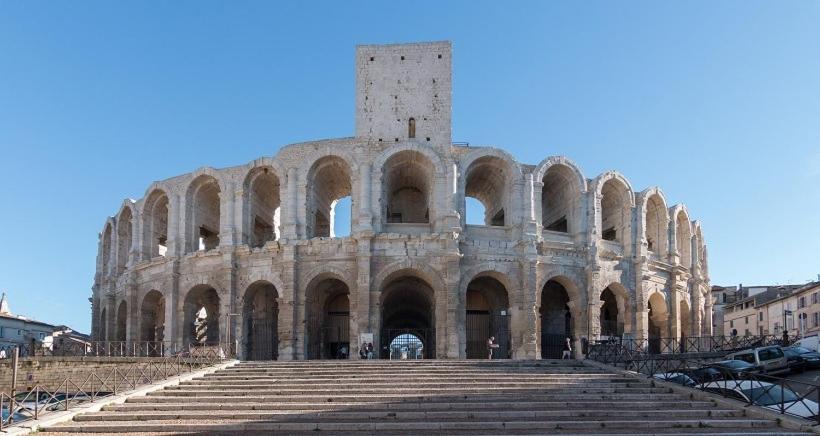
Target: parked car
[(811, 359), (675, 377), (706, 374), (764, 394), (771, 359), (734, 369), (811, 343), (796, 362)]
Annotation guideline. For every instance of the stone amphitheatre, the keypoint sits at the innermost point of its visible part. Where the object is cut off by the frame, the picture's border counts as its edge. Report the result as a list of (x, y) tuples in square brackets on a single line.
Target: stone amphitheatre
[(247, 255)]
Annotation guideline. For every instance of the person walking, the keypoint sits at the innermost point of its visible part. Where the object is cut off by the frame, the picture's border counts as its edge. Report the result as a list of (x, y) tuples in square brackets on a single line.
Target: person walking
[(491, 345), (567, 352)]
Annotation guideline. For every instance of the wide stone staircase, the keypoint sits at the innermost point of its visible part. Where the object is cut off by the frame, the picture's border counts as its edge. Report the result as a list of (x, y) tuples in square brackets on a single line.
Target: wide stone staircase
[(418, 397)]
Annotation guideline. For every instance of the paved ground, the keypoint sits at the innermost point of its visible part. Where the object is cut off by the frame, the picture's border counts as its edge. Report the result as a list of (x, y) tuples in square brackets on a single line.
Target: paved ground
[(812, 377)]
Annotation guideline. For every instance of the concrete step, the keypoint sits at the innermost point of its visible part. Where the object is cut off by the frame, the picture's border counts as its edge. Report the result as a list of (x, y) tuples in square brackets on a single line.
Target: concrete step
[(408, 427), (427, 405), (410, 416)]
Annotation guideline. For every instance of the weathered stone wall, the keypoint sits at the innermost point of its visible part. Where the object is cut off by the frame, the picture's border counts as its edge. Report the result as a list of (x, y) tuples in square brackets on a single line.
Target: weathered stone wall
[(51, 372)]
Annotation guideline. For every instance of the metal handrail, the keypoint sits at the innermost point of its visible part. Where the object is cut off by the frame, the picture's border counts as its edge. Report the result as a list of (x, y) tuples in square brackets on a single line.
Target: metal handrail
[(73, 390), (620, 350)]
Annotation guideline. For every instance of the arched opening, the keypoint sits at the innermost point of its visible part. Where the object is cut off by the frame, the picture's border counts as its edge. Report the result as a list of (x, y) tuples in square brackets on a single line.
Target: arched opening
[(262, 216), (411, 128), (556, 319), (560, 195), (615, 206), (406, 346), (487, 315), (685, 321), (407, 308), (106, 250), (658, 318), (124, 235), (684, 239), (329, 181), (486, 181), (103, 329), (328, 320), (122, 321), (260, 315), (201, 316), (155, 229), (408, 185), (152, 317), (612, 315), (656, 226), (202, 214)]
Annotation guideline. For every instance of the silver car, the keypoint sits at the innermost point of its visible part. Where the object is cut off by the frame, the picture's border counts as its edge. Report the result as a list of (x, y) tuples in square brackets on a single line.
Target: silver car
[(764, 394)]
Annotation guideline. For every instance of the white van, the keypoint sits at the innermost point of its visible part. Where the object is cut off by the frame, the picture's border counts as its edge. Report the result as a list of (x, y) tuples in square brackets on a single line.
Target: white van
[(771, 360), (810, 342)]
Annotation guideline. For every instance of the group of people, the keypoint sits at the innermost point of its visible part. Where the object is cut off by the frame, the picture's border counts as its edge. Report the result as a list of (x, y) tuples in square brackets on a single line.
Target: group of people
[(366, 351)]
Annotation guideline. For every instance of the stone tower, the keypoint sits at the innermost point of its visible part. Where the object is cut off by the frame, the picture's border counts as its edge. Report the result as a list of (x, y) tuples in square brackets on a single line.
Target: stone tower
[(403, 91)]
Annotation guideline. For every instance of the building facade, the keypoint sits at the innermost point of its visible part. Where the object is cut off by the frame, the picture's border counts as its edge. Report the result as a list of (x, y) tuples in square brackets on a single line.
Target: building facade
[(20, 331), (248, 253), (769, 310)]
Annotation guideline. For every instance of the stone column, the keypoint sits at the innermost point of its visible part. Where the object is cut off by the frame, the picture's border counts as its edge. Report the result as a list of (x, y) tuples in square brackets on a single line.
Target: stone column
[(291, 309), (706, 326), (174, 315), (527, 345), (226, 218), (135, 254), (240, 232), (291, 202), (176, 235), (364, 304), (365, 211)]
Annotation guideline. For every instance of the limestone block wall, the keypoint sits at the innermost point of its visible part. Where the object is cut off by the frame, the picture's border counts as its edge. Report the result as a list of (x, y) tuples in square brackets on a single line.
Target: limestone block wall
[(51, 372)]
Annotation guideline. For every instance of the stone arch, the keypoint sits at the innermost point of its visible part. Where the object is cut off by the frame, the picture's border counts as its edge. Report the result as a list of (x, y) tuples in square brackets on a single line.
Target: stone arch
[(122, 322), (408, 267), (558, 302), (201, 314), (683, 235), (562, 188), (261, 217), (327, 316), (155, 216), (203, 213), (103, 330), (658, 321), (106, 247), (407, 305), (489, 178), (700, 247), (152, 321), (655, 219), (268, 276), (617, 199), (487, 303), (424, 166), (260, 317), (125, 234), (614, 314), (329, 179)]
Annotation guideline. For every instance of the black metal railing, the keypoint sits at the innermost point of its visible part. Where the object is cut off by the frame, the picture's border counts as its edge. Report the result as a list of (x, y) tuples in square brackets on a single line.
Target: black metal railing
[(782, 395), (620, 350), (38, 400), (115, 349)]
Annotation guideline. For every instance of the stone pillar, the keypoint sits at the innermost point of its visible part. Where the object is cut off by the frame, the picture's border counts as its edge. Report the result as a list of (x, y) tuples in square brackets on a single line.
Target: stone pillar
[(291, 309), (240, 232), (364, 305), (291, 202), (674, 317), (174, 315), (365, 211), (176, 234), (226, 219), (132, 333), (527, 344), (706, 326), (447, 307), (135, 254), (579, 324)]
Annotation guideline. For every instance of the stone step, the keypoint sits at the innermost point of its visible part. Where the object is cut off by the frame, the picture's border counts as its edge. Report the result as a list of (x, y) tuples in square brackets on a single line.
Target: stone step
[(185, 391), (495, 397), (370, 416), (459, 376), (409, 384), (410, 427), (427, 405)]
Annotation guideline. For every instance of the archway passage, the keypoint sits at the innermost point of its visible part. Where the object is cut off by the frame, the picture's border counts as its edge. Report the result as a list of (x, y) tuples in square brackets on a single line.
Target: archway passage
[(611, 318), (329, 180), (122, 321), (328, 320), (560, 195), (260, 315), (407, 181), (556, 320), (656, 232), (486, 181), (487, 316), (203, 214), (615, 211), (124, 235), (262, 215), (658, 315), (406, 346), (407, 308), (152, 322), (201, 316), (155, 227)]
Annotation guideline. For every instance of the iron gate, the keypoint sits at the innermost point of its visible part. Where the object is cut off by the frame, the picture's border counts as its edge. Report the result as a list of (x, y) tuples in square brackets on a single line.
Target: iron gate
[(332, 340), (410, 344), (480, 325), (552, 346), (262, 340)]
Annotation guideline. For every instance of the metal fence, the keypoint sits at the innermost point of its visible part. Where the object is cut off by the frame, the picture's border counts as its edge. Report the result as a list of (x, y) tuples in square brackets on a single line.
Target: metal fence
[(40, 400), (116, 349), (782, 395), (619, 350)]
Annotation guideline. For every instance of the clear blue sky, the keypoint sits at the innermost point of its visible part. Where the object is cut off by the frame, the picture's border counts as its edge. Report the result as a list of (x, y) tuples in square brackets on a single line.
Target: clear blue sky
[(717, 103)]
